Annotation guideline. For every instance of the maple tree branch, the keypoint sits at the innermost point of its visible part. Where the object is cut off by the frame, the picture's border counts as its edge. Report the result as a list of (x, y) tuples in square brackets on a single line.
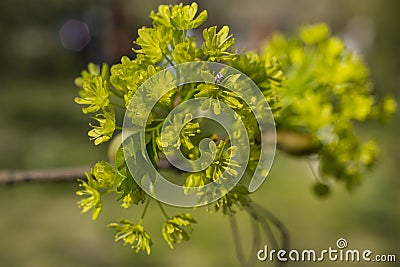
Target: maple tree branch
[(50, 175)]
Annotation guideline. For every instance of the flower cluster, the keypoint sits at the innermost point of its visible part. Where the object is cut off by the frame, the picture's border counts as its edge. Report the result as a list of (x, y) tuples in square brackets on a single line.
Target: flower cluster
[(315, 88), (132, 234), (178, 228)]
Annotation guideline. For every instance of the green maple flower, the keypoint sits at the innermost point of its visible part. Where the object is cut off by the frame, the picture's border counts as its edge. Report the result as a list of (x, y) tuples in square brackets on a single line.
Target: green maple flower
[(127, 75), (214, 92), (154, 42), (168, 140), (94, 88), (92, 200), (387, 108), (194, 183), (324, 90), (327, 88), (132, 234), (104, 174), (234, 200), (104, 131), (223, 162), (187, 51), (179, 16), (216, 45), (314, 34), (136, 196), (178, 228)]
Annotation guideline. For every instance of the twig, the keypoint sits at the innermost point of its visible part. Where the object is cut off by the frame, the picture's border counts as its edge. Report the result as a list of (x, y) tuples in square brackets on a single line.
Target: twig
[(45, 175)]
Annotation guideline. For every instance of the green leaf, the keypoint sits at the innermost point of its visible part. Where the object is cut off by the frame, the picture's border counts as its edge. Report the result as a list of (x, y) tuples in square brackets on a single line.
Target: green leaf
[(123, 180), (124, 183)]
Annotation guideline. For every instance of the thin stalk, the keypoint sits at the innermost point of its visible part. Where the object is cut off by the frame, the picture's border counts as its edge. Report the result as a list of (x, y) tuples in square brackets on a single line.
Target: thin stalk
[(118, 105), (256, 241), (144, 210), (116, 93), (264, 217), (237, 241), (189, 94), (106, 192), (316, 176), (264, 226), (153, 144), (154, 128), (169, 60), (276, 222), (163, 210), (184, 35)]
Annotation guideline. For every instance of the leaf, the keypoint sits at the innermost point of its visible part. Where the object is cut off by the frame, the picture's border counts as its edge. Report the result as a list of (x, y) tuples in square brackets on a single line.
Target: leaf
[(124, 183)]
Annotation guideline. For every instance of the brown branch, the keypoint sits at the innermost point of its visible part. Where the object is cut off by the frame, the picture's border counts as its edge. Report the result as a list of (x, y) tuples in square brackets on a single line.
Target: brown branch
[(50, 175), (294, 143)]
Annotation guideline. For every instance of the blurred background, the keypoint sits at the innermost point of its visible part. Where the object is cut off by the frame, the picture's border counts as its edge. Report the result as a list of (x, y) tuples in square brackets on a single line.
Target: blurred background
[(44, 45)]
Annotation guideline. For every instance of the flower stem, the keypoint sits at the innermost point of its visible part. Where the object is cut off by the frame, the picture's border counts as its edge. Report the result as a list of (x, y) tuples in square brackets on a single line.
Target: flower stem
[(266, 215), (116, 93), (189, 94), (256, 241), (169, 60), (144, 210), (237, 241), (162, 210), (316, 176), (118, 105), (155, 127)]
